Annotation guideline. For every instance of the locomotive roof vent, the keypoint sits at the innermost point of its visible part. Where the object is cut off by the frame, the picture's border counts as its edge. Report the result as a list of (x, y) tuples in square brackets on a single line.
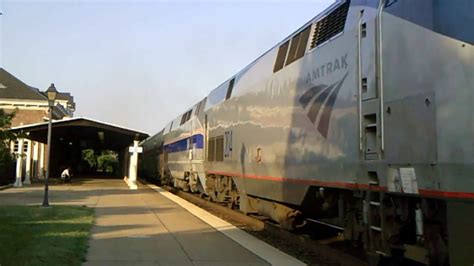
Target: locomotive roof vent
[(330, 25)]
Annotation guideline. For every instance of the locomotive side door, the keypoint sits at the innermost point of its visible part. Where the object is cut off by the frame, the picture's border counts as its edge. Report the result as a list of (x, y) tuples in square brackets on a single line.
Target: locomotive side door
[(371, 139), (370, 87)]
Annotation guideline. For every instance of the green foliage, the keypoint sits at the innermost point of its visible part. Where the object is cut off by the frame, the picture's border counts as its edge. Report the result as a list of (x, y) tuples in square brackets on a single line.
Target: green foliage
[(89, 156), (108, 161), (5, 123), (105, 162), (32, 235), (6, 159)]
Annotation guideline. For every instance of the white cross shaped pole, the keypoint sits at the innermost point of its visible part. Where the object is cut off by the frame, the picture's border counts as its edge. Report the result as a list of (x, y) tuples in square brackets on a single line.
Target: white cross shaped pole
[(19, 165), (28, 164), (133, 167)]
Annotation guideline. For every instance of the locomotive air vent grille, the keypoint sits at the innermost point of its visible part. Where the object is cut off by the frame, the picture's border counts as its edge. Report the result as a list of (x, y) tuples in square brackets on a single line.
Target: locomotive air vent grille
[(331, 25)]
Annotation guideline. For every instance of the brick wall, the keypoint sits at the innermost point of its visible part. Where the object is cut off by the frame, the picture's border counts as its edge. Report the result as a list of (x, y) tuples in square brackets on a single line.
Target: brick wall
[(25, 117)]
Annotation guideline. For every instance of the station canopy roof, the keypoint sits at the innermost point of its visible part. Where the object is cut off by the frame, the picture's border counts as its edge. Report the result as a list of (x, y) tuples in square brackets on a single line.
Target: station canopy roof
[(89, 133)]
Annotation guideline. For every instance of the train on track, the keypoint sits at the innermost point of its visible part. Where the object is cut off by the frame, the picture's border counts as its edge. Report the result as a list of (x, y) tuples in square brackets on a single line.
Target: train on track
[(362, 118)]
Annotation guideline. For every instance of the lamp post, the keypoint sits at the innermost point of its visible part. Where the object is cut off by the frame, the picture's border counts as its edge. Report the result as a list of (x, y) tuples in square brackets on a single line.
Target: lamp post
[(51, 92)]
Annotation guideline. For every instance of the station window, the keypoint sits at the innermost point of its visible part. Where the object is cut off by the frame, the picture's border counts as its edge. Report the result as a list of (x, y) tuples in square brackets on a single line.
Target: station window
[(15, 146)]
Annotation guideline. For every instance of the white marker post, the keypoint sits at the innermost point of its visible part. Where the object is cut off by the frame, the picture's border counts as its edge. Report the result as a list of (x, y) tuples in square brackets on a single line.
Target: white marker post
[(28, 164), (19, 165), (133, 168), (35, 159), (41, 161)]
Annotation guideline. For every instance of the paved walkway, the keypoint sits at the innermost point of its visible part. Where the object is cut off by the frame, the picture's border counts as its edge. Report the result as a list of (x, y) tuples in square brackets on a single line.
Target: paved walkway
[(140, 227)]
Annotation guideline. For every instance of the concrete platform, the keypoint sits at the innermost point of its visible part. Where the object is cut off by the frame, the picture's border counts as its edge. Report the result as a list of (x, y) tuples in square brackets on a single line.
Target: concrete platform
[(148, 227)]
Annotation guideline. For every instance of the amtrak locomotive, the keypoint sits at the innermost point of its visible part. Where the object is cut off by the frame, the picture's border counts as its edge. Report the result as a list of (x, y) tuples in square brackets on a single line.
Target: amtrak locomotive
[(362, 119)]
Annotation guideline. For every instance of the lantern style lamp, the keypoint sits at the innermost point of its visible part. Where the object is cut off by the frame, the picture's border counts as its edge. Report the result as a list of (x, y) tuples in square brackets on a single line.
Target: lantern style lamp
[(51, 92)]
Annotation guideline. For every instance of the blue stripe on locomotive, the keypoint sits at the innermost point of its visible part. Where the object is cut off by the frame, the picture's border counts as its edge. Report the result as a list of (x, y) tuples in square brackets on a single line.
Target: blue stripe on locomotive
[(182, 145)]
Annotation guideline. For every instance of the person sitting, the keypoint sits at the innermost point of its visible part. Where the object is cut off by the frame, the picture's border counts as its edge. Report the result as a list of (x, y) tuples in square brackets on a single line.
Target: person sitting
[(66, 175)]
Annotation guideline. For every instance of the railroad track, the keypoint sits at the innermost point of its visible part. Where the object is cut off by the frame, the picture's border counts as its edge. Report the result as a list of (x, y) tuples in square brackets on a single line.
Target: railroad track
[(299, 245)]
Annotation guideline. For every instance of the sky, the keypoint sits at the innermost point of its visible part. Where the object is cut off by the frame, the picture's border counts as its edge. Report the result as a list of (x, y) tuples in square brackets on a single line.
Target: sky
[(139, 64)]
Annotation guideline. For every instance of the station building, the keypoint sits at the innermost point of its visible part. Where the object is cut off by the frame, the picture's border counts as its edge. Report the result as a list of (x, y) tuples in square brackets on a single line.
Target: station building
[(30, 106), (71, 136)]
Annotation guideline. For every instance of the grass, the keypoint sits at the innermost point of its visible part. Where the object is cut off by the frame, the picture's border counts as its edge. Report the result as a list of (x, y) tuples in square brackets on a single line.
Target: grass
[(32, 235)]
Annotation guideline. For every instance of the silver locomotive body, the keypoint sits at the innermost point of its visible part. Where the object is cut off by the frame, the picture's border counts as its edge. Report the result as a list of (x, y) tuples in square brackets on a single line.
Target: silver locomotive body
[(183, 151), (362, 119)]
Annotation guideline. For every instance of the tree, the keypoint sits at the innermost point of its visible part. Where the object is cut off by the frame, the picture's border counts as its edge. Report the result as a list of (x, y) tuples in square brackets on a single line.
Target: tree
[(89, 156), (105, 162), (108, 161), (6, 159)]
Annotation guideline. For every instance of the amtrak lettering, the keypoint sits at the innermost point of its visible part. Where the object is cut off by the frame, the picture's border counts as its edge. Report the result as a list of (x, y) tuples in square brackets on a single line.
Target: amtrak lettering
[(318, 101), (322, 98), (323, 70), (327, 69)]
